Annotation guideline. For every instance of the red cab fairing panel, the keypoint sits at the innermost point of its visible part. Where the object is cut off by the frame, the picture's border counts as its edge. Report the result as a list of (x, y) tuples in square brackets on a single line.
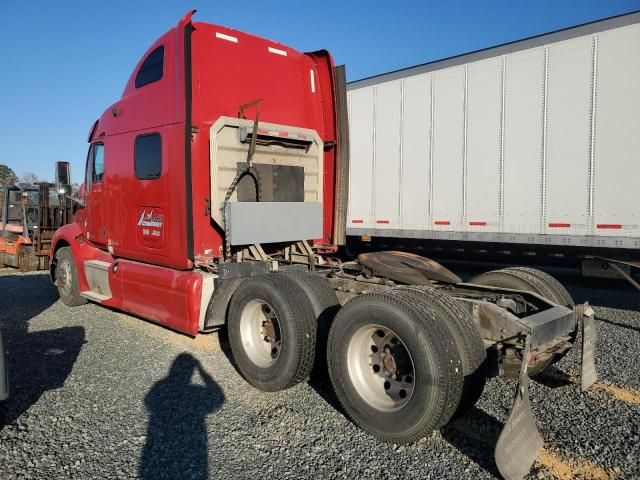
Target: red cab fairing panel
[(232, 68)]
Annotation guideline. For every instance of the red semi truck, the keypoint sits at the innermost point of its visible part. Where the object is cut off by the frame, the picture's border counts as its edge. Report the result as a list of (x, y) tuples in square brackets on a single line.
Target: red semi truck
[(215, 196)]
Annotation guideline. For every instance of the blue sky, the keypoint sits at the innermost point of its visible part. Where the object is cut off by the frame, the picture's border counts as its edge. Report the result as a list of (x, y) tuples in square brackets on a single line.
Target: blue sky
[(64, 62)]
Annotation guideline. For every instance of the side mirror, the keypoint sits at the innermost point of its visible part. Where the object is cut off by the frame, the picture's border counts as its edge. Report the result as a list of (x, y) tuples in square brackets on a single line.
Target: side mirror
[(63, 178)]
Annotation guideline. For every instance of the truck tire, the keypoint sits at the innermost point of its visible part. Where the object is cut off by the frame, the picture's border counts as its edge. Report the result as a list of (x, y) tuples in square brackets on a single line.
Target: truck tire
[(467, 339), (27, 260), (272, 330), (535, 281), (393, 366), (517, 280), (560, 294), (325, 305), (67, 278)]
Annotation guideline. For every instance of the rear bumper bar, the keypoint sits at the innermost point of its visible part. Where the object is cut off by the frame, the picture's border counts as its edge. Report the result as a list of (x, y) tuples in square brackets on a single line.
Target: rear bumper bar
[(548, 326), (498, 325)]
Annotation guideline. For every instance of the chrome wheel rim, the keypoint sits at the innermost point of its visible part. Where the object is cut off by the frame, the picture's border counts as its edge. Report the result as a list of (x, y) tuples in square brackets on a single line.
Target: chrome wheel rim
[(381, 368), (65, 277), (260, 333)]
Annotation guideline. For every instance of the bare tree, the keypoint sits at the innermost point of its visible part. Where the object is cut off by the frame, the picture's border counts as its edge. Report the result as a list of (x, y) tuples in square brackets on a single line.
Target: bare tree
[(29, 177)]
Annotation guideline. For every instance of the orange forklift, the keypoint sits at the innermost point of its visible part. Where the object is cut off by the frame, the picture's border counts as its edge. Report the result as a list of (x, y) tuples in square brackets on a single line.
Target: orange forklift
[(29, 216)]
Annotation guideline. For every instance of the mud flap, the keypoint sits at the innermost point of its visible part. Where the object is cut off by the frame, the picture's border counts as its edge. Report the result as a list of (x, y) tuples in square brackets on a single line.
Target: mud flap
[(588, 372), (519, 442)]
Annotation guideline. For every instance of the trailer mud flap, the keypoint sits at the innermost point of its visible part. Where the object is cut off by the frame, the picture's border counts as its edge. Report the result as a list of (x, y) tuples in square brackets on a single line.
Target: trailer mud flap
[(588, 374), (519, 442)]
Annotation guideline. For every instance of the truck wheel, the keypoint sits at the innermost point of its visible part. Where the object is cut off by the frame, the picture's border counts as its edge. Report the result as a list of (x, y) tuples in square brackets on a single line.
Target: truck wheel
[(325, 305), (535, 281), (517, 280), (67, 278), (393, 366), (560, 294), (27, 260), (467, 339), (272, 330)]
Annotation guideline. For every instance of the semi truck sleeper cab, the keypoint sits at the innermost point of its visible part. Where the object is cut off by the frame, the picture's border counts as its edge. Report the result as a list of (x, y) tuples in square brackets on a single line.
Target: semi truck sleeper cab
[(215, 196)]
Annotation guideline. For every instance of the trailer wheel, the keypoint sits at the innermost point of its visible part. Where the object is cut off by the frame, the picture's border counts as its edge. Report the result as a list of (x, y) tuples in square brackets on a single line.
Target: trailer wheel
[(393, 366), (67, 278), (272, 332), (536, 281), (467, 339), (27, 260), (325, 305)]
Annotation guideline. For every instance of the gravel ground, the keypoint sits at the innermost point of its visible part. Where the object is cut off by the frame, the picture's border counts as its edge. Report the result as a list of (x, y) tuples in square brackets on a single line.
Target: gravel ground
[(99, 394)]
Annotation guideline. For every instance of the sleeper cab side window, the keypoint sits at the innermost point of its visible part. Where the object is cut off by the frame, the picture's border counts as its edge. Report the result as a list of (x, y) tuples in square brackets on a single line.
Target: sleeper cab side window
[(152, 68), (147, 156), (95, 164)]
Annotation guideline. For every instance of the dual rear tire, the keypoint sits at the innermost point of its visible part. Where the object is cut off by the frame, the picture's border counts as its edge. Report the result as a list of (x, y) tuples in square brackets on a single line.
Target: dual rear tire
[(530, 279), (275, 327), (405, 362), (402, 362)]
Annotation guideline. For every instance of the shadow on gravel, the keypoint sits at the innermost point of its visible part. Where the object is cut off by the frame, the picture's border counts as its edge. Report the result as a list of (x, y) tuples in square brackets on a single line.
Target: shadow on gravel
[(617, 324), (322, 386), (225, 346), (602, 292), (319, 379), (39, 360), (475, 435), (553, 377), (177, 444)]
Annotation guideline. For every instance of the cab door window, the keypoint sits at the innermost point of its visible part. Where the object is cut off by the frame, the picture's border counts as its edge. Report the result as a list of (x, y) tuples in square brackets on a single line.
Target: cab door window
[(95, 164), (98, 162)]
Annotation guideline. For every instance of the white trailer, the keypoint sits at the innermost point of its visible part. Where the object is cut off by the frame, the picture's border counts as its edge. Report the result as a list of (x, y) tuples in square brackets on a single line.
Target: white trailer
[(534, 143)]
